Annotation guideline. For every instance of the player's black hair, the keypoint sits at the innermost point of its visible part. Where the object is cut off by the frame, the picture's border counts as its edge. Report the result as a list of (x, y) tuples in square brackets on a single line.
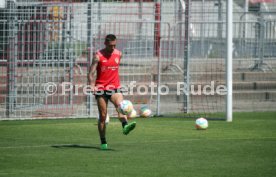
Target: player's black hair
[(110, 37)]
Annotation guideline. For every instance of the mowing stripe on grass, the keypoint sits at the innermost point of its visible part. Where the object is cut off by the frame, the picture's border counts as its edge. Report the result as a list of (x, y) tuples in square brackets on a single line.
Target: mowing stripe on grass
[(148, 142)]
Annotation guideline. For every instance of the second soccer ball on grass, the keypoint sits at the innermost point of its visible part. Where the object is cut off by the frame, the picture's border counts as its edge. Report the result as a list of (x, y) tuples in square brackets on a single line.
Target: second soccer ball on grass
[(145, 112), (201, 123)]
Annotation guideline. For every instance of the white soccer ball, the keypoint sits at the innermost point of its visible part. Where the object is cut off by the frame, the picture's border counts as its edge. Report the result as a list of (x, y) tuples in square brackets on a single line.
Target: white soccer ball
[(106, 120), (133, 114), (145, 112), (201, 123), (125, 107)]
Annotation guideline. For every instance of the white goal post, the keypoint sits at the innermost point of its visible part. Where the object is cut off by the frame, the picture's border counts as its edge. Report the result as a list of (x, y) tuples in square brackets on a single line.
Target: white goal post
[(229, 58)]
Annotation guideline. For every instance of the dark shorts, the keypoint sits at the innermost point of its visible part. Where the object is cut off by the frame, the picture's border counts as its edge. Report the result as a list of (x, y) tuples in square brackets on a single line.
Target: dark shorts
[(106, 93)]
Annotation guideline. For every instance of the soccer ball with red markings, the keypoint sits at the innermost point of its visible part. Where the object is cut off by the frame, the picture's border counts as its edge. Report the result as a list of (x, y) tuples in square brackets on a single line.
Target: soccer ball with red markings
[(201, 123), (125, 107)]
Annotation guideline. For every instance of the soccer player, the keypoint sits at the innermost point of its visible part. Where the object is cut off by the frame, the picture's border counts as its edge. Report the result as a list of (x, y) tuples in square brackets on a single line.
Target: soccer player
[(106, 86)]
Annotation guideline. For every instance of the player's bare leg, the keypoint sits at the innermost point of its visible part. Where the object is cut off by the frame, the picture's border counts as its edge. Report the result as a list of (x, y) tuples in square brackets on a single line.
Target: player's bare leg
[(102, 107), (116, 99)]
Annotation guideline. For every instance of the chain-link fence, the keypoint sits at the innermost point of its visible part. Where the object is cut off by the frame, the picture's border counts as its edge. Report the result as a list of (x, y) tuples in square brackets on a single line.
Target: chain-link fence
[(173, 46)]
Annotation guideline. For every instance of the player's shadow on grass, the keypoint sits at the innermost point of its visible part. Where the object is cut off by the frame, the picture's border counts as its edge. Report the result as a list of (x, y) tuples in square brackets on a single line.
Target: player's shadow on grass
[(78, 146)]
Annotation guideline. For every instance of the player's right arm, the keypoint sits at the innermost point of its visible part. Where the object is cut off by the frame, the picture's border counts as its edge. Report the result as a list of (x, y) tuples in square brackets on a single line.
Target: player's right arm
[(93, 70)]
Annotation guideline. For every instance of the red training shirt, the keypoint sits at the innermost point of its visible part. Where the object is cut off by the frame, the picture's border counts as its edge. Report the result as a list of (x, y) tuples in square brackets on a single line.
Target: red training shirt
[(108, 71)]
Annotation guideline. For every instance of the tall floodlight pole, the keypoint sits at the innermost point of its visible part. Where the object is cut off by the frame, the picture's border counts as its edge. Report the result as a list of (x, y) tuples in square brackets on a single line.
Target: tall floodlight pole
[(180, 9), (99, 12), (157, 37), (229, 81), (157, 28), (70, 50), (202, 29), (245, 17), (187, 57), (90, 51), (219, 4), (140, 17), (12, 57)]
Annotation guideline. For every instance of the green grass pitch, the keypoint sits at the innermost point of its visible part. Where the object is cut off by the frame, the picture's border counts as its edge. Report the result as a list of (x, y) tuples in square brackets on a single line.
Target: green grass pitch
[(158, 147)]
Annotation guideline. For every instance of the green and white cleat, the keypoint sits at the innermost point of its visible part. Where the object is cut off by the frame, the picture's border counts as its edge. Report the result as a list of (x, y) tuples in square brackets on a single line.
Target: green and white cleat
[(103, 146), (129, 127)]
